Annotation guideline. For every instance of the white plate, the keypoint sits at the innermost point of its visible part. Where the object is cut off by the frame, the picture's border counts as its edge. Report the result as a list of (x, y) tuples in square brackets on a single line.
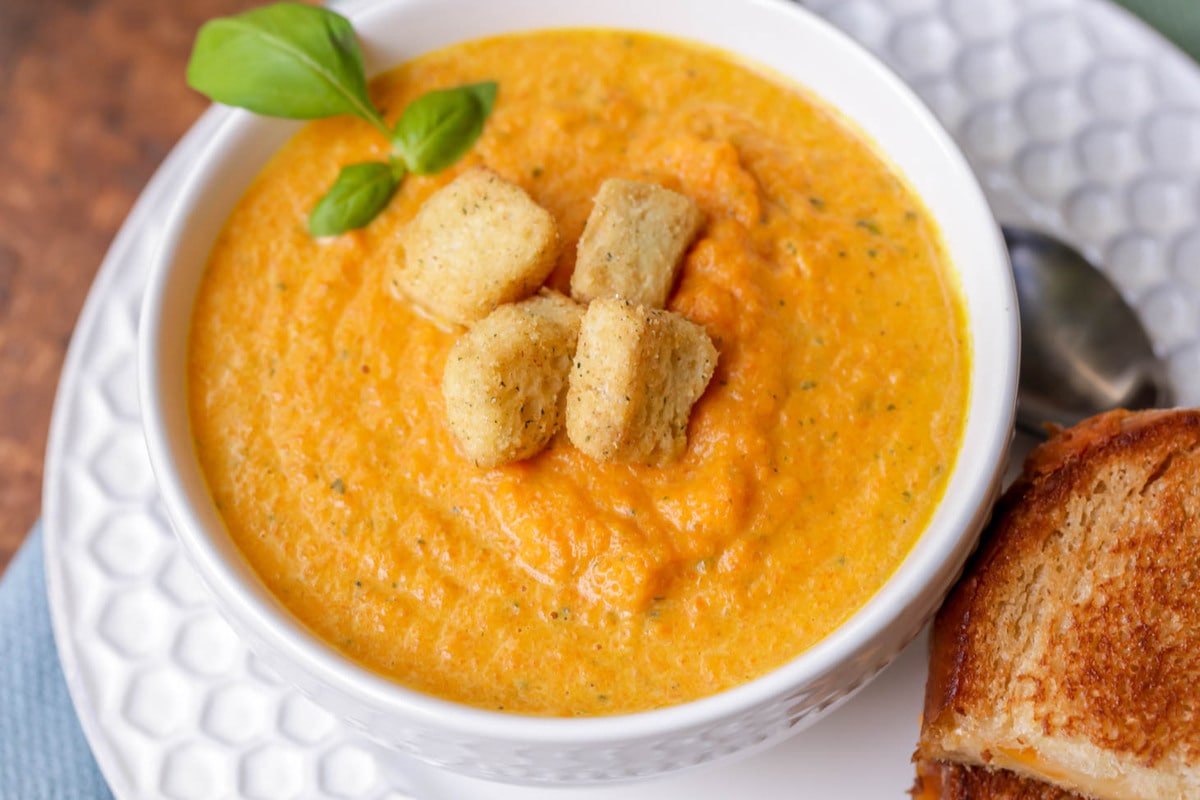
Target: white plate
[(1078, 119)]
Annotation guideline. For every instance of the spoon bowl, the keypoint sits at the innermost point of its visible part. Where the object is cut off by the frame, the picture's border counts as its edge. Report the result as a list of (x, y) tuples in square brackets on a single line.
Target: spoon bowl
[(1083, 349)]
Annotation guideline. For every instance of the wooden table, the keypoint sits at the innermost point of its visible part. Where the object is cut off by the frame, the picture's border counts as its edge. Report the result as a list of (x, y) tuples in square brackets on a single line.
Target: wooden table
[(92, 97)]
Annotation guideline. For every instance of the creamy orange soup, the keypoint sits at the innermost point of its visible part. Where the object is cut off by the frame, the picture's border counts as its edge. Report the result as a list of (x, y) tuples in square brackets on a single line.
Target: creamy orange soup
[(559, 585)]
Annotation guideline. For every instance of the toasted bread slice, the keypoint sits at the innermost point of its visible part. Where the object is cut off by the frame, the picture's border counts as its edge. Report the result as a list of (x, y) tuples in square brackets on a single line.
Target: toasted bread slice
[(1070, 650), (938, 780)]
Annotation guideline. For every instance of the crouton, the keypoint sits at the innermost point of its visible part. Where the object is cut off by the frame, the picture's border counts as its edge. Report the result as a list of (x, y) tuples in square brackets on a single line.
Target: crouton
[(505, 380), (633, 243), (555, 307), (637, 372), (476, 243)]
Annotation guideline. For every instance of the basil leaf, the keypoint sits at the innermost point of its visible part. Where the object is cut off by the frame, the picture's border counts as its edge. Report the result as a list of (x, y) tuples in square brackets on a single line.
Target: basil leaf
[(284, 60), (438, 128), (360, 192), (485, 93)]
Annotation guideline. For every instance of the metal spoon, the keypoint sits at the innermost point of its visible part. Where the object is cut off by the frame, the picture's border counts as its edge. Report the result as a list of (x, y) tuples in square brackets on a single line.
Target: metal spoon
[(1083, 349)]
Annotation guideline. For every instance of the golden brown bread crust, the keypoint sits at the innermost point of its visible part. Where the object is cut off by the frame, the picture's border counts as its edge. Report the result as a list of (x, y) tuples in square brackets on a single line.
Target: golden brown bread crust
[(1077, 623), (938, 780)]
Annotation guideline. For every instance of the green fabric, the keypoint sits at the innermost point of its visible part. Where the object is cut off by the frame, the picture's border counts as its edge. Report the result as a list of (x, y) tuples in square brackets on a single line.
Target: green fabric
[(1178, 20)]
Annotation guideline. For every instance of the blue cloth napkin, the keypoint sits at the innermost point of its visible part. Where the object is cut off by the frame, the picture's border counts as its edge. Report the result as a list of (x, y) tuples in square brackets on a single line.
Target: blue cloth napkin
[(43, 754)]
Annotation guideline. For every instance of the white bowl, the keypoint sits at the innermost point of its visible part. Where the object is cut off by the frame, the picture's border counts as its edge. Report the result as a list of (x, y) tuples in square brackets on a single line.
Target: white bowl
[(515, 748)]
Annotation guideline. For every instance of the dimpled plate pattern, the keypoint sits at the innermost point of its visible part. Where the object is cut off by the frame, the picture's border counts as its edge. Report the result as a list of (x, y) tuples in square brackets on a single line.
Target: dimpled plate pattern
[(1078, 120)]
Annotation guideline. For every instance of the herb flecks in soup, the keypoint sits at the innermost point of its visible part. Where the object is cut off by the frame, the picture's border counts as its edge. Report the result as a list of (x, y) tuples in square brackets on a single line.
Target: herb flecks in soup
[(560, 585)]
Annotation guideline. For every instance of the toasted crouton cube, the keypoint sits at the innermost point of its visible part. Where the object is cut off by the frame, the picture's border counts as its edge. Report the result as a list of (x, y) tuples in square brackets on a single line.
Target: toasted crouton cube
[(476, 243), (506, 378), (636, 376), (633, 243), (555, 307)]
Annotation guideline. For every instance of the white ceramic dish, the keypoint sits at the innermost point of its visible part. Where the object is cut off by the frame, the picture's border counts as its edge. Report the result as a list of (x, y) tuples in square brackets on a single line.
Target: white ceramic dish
[(560, 751)]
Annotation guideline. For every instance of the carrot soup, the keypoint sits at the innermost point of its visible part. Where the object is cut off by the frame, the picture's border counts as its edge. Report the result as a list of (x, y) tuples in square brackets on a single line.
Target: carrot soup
[(559, 585)]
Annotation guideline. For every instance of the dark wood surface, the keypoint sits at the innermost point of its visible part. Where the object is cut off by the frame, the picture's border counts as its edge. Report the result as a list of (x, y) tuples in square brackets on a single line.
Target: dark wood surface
[(92, 97)]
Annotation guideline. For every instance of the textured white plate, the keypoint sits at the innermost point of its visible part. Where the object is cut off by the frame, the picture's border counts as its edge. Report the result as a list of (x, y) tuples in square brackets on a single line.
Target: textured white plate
[(1078, 119)]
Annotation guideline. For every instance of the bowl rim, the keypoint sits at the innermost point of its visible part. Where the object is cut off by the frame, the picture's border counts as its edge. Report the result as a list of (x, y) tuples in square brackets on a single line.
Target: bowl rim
[(939, 551)]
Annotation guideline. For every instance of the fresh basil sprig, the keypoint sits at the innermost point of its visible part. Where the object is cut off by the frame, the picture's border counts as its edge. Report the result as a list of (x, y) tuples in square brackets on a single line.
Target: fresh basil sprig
[(303, 62)]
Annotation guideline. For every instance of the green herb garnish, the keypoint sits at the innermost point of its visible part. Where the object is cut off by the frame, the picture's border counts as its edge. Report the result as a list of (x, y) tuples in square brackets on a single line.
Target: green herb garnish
[(438, 128), (303, 62), (360, 192)]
